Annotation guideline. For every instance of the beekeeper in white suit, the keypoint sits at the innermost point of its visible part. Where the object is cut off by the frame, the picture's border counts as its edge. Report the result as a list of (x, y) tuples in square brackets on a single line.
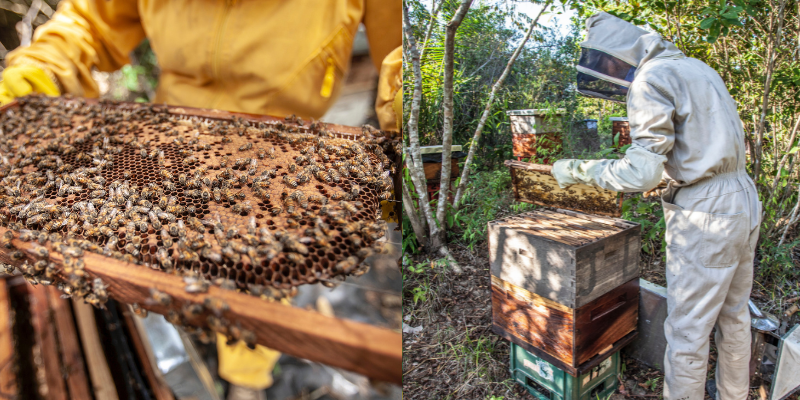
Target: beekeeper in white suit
[(685, 130)]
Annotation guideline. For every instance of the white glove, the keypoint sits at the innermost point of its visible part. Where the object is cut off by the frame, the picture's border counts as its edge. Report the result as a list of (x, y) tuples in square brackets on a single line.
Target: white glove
[(562, 171)]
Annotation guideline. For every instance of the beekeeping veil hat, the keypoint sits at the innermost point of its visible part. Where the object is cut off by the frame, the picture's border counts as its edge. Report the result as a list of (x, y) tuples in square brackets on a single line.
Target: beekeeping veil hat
[(612, 52)]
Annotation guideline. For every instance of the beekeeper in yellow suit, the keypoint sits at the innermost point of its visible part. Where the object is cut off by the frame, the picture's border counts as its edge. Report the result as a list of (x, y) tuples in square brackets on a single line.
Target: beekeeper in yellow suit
[(263, 57)]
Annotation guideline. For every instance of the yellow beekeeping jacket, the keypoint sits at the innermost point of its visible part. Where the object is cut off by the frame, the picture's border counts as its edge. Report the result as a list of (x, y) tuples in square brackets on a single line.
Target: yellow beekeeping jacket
[(275, 57)]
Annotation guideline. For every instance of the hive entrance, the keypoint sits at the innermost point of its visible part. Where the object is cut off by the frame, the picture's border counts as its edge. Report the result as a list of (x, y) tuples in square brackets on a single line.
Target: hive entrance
[(272, 204)]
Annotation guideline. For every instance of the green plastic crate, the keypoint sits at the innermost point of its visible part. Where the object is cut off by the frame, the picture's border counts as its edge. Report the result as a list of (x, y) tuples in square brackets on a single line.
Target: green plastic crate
[(546, 382)]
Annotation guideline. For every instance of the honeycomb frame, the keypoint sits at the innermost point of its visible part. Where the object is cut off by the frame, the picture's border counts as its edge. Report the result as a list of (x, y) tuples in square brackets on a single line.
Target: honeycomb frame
[(128, 142)]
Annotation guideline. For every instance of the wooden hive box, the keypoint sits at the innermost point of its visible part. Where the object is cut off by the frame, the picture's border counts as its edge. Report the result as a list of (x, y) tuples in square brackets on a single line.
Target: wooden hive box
[(564, 284)]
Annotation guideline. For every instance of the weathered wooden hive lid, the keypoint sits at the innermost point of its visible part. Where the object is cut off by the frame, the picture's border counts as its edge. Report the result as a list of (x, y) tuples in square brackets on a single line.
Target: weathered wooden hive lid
[(567, 227)]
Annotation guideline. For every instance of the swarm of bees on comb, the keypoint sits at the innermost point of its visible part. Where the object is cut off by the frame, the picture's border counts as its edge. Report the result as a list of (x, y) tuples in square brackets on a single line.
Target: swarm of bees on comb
[(261, 207), (542, 189)]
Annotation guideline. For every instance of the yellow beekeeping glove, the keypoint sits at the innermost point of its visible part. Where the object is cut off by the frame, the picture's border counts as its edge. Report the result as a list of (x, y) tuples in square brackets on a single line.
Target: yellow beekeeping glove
[(244, 367), (22, 80)]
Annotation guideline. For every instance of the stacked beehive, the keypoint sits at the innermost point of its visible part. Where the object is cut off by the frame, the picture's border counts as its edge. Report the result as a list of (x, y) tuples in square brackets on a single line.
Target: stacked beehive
[(564, 289)]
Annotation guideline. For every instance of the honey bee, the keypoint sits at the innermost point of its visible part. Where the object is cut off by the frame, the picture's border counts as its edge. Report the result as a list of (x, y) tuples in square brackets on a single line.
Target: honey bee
[(261, 154), (216, 324), (215, 305), (139, 311), (99, 290), (276, 210), (195, 284), (187, 255), (271, 152), (112, 242), (173, 317), (293, 244), (6, 239), (337, 195), (349, 207), (195, 224), (41, 251), (347, 265), (164, 259), (241, 162), (246, 146), (316, 198), (323, 176), (181, 179), (39, 266), (169, 185), (295, 258), (242, 208), (191, 311), (302, 177), (249, 338), (351, 227), (224, 162), (159, 298), (290, 181)]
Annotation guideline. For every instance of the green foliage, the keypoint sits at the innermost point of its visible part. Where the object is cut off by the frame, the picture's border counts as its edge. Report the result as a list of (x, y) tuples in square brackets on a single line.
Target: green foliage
[(486, 195), (541, 77), (650, 215), (420, 293), (652, 383)]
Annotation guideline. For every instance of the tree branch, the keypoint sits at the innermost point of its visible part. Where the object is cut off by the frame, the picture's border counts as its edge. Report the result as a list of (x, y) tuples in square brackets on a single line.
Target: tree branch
[(771, 55), (447, 105), (430, 28)]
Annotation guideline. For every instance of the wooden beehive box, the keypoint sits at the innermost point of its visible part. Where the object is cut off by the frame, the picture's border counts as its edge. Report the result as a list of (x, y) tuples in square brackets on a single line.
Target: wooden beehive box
[(533, 183), (564, 256), (620, 126), (573, 339), (564, 284)]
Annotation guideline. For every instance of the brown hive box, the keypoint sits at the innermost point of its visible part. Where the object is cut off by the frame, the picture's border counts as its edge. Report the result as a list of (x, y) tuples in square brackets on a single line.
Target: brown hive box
[(564, 284)]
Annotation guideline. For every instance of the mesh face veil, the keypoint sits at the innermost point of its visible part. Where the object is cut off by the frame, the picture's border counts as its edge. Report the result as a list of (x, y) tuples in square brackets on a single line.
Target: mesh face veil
[(604, 76)]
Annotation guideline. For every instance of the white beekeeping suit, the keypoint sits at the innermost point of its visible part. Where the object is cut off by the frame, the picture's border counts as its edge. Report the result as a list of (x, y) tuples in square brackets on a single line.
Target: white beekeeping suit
[(684, 128)]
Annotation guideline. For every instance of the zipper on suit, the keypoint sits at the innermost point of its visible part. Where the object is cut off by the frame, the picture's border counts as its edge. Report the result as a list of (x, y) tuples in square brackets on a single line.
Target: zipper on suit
[(215, 55)]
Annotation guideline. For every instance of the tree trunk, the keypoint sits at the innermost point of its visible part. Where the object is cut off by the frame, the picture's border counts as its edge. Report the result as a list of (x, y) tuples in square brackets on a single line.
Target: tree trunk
[(771, 55), (447, 130), (486, 111), (415, 167), (789, 145), (417, 223)]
